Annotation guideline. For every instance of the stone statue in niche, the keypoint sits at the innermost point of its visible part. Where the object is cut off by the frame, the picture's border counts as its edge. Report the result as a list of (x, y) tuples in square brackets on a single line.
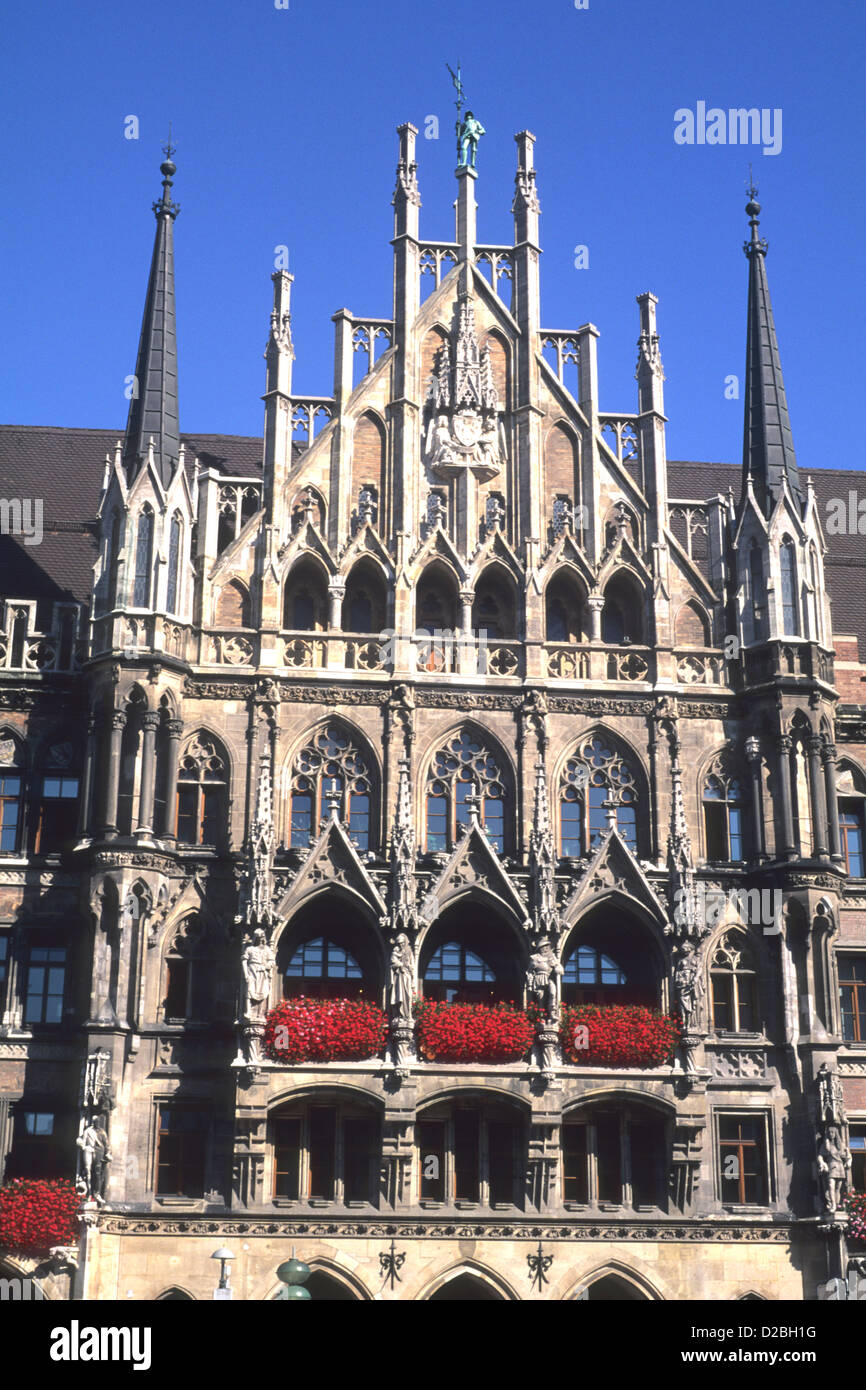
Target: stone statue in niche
[(689, 987), (543, 979), (258, 964), (95, 1158), (402, 978), (834, 1167)]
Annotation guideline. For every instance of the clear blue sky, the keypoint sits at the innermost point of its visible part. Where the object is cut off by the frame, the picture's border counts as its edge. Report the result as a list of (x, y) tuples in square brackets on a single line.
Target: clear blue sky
[(284, 124)]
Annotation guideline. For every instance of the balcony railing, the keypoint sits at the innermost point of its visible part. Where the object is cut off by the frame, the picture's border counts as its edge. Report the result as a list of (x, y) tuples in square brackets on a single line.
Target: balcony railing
[(701, 668)]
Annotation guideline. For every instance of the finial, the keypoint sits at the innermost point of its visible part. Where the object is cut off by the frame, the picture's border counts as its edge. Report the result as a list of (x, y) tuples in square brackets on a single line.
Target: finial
[(753, 207), (168, 169)]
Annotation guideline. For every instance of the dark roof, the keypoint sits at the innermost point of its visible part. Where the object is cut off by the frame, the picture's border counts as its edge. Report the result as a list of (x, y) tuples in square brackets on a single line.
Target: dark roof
[(65, 468), (845, 560)]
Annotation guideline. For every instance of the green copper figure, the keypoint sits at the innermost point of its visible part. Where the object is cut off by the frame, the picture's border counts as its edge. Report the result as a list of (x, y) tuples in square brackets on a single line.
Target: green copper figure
[(469, 130)]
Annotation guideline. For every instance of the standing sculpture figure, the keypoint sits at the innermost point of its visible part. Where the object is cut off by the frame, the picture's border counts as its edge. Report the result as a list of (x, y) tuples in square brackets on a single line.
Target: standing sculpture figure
[(688, 986), (258, 964), (402, 978), (543, 979), (469, 132), (834, 1162), (93, 1143)]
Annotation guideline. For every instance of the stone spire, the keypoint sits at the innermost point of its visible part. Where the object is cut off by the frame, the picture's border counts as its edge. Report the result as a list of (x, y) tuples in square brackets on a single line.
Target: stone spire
[(153, 410), (768, 445)]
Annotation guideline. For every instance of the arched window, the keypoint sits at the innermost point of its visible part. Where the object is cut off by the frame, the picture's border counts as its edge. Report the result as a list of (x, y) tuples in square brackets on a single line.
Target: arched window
[(365, 603), (330, 767), (589, 969), (437, 616), (852, 831), (790, 597), (322, 967), (454, 972), (112, 561), (175, 548), (595, 785), (756, 598), (724, 801), (185, 995), (202, 793), (325, 1151), (471, 1152), (461, 774), (565, 619), (734, 986), (11, 793), (143, 559), (615, 1154), (622, 614), (305, 604), (494, 609)]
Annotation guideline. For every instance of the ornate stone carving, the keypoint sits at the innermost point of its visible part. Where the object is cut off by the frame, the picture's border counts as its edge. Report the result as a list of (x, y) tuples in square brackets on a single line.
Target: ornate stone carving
[(739, 1063)]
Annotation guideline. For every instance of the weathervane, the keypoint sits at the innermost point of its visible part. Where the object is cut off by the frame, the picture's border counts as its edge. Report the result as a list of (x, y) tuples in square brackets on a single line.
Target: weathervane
[(468, 129), (168, 148), (751, 186)]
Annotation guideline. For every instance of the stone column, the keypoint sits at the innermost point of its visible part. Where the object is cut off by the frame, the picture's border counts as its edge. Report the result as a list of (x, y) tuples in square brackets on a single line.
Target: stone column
[(783, 745), (753, 754), (468, 653), (595, 605), (112, 785), (828, 755), (150, 724), (175, 730), (84, 809), (816, 792)]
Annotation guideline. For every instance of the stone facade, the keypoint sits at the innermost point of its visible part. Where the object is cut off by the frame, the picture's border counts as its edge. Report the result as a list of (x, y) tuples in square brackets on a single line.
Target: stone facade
[(454, 694)]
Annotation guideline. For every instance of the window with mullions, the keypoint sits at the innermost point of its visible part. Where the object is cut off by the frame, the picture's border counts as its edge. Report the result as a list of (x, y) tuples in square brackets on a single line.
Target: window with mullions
[(590, 977), (11, 785), (456, 973), (743, 1159), (45, 985), (595, 783), (325, 1153), (613, 1156), (462, 771), (851, 828), (724, 818), (175, 548), (852, 995), (143, 559), (790, 595), (734, 987), (323, 968), (57, 814), (330, 766), (471, 1154), (181, 1146), (201, 794), (37, 1144)]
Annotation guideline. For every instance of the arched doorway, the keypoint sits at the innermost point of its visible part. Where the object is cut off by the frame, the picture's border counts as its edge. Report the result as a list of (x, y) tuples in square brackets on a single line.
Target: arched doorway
[(612, 1288), (324, 1288)]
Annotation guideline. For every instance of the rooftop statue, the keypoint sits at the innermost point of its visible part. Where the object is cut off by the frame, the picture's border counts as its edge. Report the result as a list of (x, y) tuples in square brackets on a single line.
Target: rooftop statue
[(469, 132)]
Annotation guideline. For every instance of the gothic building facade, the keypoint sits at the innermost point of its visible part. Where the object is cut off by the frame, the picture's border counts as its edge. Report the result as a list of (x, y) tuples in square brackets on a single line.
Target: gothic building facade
[(454, 688)]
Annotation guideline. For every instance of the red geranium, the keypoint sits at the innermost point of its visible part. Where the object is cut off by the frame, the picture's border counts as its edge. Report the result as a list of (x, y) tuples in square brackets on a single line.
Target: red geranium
[(36, 1213), (618, 1035), (472, 1032), (324, 1030), (855, 1203)]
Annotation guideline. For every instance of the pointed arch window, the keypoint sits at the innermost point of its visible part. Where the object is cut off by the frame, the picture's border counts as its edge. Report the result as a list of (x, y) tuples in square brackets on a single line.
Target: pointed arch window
[(143, 558), (175, 547), (790, 597), (112, 560), (462, 772), (202, 794), (596, 785), (330, 767), (757, 593), (734, 986), (323, 967), (724, 801)]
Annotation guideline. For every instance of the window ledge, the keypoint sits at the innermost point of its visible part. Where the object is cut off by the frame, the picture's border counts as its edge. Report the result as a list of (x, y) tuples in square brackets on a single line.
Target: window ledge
[(191, 1203)]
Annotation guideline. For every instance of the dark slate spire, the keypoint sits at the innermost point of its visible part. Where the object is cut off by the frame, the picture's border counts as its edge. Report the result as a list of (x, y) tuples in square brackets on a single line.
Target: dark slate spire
[(768, 445), (153, 410)]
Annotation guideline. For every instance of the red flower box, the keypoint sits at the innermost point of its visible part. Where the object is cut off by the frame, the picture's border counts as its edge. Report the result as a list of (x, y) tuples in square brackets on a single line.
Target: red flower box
[(471, 1032), (36, 1213), (618, 1035), (324, 1030), (855, 1204)]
